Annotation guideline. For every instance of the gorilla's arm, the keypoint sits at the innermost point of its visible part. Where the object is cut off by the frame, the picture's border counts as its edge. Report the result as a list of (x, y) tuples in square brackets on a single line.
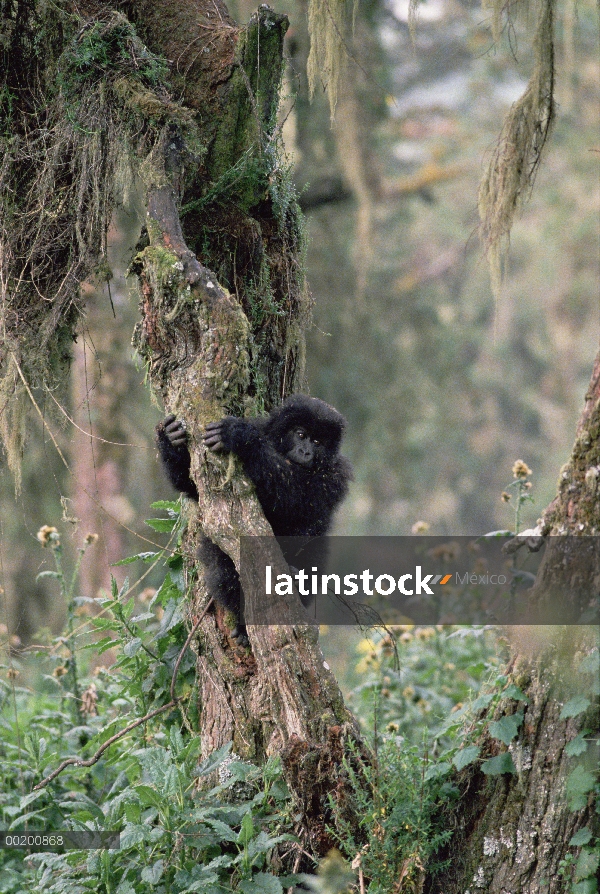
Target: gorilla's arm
[(171, 438), (294, 499), (264, 466)]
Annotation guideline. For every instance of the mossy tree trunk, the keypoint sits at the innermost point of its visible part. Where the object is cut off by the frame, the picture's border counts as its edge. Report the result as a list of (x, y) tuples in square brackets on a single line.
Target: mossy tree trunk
[(230, 339), (513, 829), (223, 300)]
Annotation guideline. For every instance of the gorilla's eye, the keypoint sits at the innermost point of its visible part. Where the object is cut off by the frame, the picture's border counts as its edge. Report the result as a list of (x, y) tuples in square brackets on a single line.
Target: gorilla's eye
[(301, 433)]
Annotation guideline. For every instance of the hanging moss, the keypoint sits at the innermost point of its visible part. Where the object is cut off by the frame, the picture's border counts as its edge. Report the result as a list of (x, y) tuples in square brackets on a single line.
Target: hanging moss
[(65, 143), (514, 163), (108, 50), (328, 25), (92, 115)]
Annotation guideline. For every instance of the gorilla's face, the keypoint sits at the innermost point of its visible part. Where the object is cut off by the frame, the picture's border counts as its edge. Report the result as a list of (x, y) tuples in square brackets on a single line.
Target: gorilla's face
[(300, 448)]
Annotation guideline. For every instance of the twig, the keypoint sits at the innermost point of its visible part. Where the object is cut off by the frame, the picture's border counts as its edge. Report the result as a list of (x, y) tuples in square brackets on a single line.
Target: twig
[(89, 434), (79, 762)]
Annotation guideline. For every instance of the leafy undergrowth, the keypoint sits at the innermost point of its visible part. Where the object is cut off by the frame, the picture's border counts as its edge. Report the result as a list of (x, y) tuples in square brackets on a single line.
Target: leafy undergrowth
[(89, 748)]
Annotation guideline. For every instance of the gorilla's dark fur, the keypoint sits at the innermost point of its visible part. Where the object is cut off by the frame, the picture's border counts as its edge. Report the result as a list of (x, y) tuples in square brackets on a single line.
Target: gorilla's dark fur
[(291, 457)]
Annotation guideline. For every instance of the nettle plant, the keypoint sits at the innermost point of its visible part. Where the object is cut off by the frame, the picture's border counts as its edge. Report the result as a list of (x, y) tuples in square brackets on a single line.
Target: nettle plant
[(113, 750)]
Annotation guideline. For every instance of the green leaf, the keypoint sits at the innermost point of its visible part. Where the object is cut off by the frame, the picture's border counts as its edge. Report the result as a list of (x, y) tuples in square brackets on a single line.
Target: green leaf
[(574, 707), (263, 842), (224, 831), (241, 770), (200, 879), (125, 887), (246, 829), (214, 760), (158, 765), (144, 557), (513, 691), (173, 615), (590, 664), (131, 835), (477, 668), (24, 820), (175, 741), (437, 770), (495, 766), (482, 702), (144, 616), (132, 647), (26, 800), (162, 525), (148, 796), (105, 624), (152, 874), (587, 886), (167, 590), (587, 864), (169, 505), (506, 728), (175, 561), (581, 837), (261, 883), (466, 756), (578, 745), (579, 783)]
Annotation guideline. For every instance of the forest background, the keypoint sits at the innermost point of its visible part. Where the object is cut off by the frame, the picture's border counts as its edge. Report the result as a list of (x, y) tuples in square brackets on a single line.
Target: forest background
[(443, 384)]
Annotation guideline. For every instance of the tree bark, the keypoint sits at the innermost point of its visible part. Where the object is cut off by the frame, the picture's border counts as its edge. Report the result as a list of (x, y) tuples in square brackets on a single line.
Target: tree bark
[(234, 344), (513, 830)]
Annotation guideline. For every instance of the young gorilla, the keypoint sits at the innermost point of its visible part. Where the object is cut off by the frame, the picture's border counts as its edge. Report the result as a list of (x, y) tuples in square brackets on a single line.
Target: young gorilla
[(291, 457)]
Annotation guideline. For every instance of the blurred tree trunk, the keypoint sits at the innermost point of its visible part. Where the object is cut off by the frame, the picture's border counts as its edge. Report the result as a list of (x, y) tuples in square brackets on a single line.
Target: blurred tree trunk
[(101, 379), (113, 460), (513, 830)]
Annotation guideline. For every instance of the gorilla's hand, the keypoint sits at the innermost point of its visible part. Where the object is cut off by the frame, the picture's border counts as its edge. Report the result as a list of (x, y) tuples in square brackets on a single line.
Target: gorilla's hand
[(220, 435), (175, 431)]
